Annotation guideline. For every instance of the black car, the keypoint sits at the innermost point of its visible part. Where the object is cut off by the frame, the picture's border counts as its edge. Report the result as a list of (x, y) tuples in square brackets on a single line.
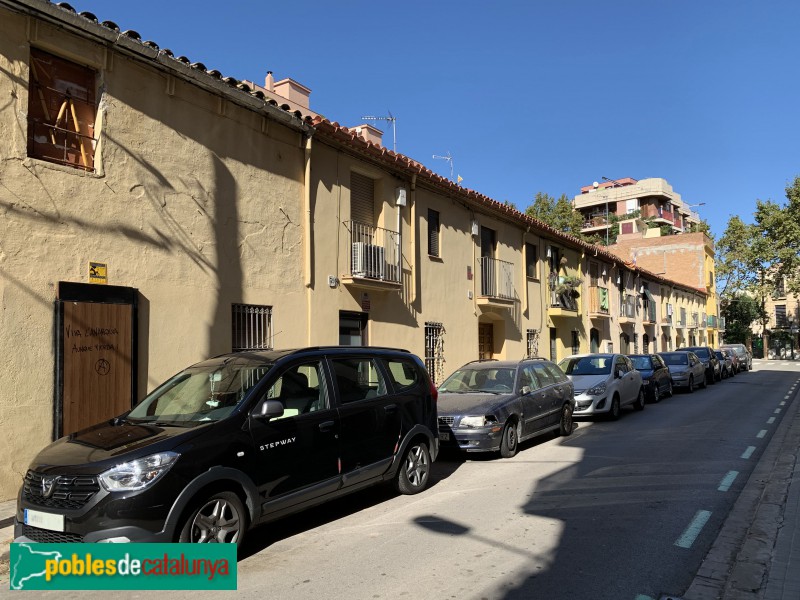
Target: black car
[(490, 406), (656, 379), (710, 362), (235, 441)]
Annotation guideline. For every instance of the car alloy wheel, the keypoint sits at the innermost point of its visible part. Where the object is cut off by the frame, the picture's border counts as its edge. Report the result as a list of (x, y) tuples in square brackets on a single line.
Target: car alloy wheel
[(656, 395), (691, 384), (218, 520), (412, 477), (639, 404), (613, 414), (670, 389)]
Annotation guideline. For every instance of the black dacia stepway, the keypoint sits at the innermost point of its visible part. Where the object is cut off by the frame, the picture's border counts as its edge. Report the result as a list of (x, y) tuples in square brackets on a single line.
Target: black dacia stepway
[(235, 441)]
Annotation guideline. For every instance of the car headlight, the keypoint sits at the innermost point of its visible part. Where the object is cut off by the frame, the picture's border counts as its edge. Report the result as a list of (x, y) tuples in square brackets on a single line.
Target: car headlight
[(473, 421), (138, 474), (597, 390)]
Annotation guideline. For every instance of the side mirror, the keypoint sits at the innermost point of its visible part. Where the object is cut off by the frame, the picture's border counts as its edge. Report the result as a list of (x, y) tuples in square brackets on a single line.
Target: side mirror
[(619, 374), (526, 389), (268, 409)]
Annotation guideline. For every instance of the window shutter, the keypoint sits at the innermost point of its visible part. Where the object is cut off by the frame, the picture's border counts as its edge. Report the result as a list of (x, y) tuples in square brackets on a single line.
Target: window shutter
[(362, 199)]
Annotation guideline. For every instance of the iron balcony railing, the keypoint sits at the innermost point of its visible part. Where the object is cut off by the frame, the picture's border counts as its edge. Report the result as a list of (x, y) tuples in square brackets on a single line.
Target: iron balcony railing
[(497, 278), (374, 252), (560, 298), (627, 306)]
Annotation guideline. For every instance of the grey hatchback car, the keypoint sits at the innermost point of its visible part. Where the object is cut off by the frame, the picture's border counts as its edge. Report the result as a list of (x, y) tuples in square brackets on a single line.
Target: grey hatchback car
[(686, 369), (492, 405)]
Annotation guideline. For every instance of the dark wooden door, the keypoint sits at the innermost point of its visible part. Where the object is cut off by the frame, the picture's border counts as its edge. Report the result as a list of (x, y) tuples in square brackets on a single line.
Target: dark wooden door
[(97, 356), (485, 341)]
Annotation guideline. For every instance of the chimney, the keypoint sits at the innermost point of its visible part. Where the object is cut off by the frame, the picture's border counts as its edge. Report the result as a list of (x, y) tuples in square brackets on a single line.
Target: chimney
[(291, 90), (370, 133), (269, 82)]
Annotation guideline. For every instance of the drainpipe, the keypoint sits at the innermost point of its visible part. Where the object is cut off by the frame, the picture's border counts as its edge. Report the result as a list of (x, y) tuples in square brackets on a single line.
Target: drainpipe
[(307, 237)]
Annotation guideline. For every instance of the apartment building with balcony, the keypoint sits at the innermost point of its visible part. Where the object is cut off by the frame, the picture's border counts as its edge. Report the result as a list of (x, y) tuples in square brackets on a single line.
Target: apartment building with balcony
[(604, 203), (158, 212)]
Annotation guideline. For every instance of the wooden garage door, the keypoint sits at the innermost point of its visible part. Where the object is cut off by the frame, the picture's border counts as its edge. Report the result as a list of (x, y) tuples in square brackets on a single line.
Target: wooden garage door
[(97, 351)]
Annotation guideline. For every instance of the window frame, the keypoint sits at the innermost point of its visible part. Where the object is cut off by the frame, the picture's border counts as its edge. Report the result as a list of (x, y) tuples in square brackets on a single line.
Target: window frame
[(250, 311), (434, 233)]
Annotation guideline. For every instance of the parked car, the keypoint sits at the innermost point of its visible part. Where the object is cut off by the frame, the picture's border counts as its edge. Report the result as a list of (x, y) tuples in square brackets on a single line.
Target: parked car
[(725, 363), (745, 357), (656, 379), (235, 441), (710, 362), (490, 406), (686, 369), (604, 383), (734, 358)]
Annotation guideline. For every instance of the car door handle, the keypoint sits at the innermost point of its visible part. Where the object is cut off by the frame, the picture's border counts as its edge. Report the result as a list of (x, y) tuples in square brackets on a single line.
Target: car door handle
[(390, 409), (326, 426)]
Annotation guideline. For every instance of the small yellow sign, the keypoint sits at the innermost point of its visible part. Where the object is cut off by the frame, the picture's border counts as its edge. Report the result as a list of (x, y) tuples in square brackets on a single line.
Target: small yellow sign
[(98, 272)]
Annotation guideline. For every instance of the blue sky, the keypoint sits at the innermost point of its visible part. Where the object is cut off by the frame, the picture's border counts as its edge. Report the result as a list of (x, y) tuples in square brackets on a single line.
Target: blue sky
[(530, 96)]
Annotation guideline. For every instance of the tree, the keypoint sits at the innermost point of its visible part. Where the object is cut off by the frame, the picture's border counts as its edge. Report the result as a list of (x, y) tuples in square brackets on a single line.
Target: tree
[(777, 241), (740, 312), (559, 214)]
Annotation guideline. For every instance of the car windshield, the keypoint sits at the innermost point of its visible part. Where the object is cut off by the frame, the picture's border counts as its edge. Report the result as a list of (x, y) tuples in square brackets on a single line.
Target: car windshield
[(200, 394), (701, 353), (719, 355), (676, 359), (492, 380), (586, 365), (642, 363)]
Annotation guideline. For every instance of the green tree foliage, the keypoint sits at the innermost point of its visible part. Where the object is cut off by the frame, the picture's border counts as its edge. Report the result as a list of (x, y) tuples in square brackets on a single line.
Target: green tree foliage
[(559, 214), (777, 239), (740, 312)]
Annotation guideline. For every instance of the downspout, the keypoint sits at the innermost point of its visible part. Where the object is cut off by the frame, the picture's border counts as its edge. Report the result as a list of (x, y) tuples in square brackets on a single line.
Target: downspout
[(307, 237)]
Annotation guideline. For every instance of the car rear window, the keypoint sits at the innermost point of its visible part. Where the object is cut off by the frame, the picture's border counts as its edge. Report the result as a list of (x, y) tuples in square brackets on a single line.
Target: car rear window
[(676, 359), (587, 365), (403, 373)]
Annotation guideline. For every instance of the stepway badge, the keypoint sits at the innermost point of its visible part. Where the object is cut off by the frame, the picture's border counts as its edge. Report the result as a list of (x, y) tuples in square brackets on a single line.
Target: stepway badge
[(122, 566)]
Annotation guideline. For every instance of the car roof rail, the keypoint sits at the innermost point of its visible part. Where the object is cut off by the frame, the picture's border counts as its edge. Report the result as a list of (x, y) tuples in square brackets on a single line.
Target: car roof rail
[(480, 360), (533, 358)]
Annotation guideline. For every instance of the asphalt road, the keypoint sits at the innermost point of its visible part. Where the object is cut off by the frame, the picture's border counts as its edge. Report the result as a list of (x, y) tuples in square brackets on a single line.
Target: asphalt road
[(619, 510)]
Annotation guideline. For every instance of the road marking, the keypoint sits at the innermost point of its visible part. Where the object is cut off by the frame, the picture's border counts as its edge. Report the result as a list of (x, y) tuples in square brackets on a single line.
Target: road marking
[(749, 452), (777, 411), (761, 433), (786, 397), (770, 421), (727, 481), (693, 530), (643, 597), (782, 404)]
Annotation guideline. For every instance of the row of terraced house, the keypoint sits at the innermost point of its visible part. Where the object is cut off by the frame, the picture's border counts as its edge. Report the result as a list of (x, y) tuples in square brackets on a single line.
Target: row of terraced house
[(156, 212)]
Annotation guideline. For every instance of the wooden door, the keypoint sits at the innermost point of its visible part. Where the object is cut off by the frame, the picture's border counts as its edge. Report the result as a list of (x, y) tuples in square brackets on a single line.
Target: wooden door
[(97, 362)]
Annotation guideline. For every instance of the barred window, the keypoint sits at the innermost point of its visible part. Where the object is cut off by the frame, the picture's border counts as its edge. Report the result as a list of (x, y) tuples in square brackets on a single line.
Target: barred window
[(434, 351), (532, 342), (251, 327)]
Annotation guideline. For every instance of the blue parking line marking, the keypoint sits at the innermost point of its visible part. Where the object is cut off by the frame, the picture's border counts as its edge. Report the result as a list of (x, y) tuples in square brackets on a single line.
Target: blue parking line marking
[(693, 530), (749, 452), (727, 481), (761, 433)]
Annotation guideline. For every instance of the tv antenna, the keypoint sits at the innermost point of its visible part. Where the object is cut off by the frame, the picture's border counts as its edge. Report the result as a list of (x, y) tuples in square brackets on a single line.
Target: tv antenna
[(449, 159), (390, 119)]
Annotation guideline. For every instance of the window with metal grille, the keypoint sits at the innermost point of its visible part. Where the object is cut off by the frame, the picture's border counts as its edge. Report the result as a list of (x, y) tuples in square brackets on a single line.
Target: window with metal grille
[(433, 232), (780, 316), (532, 342), (61, 111), (251, 327), (434, 351)]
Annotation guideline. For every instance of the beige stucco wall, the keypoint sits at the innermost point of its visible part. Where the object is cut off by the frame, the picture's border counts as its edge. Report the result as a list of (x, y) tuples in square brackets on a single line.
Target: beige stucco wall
[(197, 203)]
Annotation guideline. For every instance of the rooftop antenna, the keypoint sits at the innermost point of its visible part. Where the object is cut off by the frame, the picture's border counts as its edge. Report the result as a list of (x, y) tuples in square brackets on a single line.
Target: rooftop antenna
[(391, 119), (449, 159)]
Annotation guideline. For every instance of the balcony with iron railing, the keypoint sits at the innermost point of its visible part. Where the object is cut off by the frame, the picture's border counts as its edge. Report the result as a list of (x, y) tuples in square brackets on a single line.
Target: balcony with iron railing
[(374, 257), (599, 302), (627, 308), (496, 282), (563, 296)]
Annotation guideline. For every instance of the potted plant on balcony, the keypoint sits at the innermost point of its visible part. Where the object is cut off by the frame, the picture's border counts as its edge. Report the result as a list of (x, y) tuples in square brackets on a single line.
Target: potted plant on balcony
[(569, 285)]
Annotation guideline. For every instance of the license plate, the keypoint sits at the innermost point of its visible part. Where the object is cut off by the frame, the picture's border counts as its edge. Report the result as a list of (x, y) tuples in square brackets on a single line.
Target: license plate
[(445, 437), (44, 520)]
